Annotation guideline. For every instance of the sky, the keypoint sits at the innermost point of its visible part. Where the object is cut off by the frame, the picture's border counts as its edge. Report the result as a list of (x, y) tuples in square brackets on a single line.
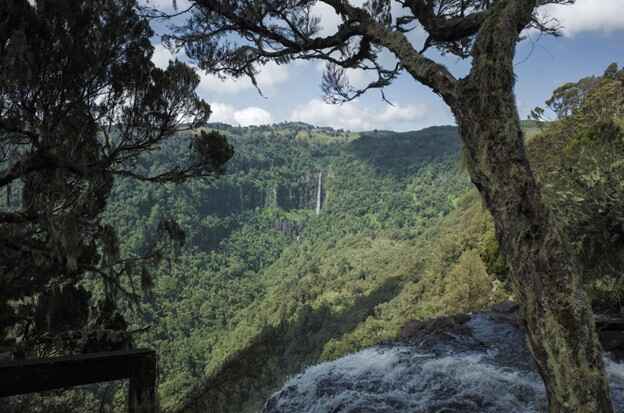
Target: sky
[(593, 37)]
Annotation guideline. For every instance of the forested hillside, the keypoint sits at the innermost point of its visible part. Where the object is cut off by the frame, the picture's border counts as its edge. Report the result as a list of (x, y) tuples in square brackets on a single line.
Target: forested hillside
[(317, 243), (260, 261), (278, 273), (200, 266)]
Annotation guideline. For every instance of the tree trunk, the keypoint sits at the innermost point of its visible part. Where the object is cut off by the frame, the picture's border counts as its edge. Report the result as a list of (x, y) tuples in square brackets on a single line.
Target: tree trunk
[(546, 274)]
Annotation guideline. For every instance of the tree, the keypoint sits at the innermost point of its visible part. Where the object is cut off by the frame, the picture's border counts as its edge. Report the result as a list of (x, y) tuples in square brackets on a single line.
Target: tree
[(578, 163), (81, 104), (235, 37), (570, 98)]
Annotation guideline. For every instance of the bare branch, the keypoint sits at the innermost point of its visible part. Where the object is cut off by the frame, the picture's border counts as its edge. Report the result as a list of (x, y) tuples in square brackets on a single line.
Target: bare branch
[(282, 31)]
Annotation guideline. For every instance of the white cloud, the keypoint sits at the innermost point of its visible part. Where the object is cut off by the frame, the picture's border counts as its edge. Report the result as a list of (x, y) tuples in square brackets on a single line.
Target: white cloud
[(268, 79), (353, 116), (360, 78), (166, 5), (161, 56), (211, 84), (402, 113), (221, 113), (329, 19), (588, 15), (272, 75), (252, 115)]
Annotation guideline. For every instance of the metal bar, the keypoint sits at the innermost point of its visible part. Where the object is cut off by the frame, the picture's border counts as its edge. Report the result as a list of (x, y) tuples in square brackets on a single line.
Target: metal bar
[(140, 366)]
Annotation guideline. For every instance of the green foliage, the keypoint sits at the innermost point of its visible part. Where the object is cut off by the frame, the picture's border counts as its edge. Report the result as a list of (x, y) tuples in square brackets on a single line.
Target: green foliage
[(81, 103), (277, 287), (259, 260), (265, 287), (452, 278), (579, 166), (598, 93)]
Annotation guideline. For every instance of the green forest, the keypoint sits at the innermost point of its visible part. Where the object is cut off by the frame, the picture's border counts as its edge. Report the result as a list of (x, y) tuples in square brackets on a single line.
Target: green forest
[(267, 286), (264, 286), (260, 264), (273, 248)]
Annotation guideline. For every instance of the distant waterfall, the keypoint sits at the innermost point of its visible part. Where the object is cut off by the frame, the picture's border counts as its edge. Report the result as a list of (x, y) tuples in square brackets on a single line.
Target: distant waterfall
[(319, 193)]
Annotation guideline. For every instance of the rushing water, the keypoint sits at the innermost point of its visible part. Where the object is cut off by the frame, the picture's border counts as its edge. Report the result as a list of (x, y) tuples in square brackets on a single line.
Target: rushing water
[(486, 371)]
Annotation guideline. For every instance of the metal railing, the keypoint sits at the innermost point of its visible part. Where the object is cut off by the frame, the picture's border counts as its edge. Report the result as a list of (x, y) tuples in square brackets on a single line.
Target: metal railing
[(139, 366)]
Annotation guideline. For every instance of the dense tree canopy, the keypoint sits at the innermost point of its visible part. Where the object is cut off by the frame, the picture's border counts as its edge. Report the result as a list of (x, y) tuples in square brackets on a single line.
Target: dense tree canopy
[(81, 103), (578, 160)]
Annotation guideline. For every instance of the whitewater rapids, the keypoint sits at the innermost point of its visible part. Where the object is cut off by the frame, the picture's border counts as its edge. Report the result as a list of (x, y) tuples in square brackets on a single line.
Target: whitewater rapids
[(487, 371)]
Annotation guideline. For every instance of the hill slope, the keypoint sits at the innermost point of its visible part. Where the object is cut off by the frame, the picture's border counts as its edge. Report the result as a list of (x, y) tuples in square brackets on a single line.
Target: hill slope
[(259, 262), (266, 285)]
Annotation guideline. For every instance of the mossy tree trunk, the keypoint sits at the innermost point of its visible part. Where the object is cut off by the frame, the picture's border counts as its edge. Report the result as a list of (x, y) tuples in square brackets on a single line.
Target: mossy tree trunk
[(546, 276), (545, 271)]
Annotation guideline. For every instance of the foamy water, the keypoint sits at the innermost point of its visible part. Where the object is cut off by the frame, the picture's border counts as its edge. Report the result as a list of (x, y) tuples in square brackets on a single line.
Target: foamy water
[(403, 378)]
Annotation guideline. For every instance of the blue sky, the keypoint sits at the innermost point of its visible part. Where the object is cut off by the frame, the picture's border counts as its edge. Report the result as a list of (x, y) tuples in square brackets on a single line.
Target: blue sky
[(593, 38)]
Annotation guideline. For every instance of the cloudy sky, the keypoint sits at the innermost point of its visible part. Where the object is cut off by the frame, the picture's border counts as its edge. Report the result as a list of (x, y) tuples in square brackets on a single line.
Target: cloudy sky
[(593, 38)]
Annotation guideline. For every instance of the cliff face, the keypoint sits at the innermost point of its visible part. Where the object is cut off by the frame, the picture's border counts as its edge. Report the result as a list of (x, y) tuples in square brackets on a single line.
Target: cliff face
[(229, 198), (303, 193)]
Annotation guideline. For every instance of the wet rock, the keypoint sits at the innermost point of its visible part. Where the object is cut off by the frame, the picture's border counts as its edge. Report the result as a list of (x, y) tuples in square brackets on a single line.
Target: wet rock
[(609, 322), (613, 342), (507, 307), (460, 364), (435, 328)]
